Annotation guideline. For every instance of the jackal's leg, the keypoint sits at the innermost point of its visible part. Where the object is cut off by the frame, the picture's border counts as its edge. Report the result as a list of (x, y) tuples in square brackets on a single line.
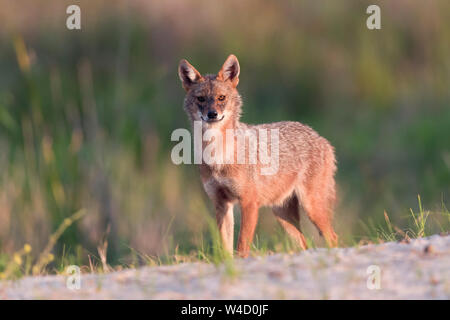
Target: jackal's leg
[(249, 219), (289, 218), (318, 204), (225, 223)]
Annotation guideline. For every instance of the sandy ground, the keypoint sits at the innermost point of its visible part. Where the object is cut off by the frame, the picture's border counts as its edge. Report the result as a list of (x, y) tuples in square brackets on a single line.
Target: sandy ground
[(416, 270)]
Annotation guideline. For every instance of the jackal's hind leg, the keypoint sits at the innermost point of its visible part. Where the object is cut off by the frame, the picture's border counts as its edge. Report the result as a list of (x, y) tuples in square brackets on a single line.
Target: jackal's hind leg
[(289, 218), (318, 204)]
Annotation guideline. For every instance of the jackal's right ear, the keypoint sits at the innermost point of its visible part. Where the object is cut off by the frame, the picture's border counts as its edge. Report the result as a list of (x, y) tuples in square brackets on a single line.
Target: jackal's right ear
[(188, 74)]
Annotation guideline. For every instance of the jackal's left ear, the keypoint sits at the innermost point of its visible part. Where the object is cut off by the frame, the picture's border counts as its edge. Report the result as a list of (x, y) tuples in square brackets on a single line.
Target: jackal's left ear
[(230, 70), (188, 74)]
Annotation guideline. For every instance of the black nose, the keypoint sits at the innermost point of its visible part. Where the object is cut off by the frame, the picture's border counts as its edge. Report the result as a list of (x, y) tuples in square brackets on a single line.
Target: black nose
[(212, 114)]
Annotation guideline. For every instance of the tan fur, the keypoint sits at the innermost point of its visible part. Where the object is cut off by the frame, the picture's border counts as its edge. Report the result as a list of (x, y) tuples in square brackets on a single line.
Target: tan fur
[(306, 165)]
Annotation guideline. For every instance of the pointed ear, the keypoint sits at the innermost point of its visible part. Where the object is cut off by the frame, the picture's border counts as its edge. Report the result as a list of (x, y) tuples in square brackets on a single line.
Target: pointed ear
[(230, 70), (188, 74)]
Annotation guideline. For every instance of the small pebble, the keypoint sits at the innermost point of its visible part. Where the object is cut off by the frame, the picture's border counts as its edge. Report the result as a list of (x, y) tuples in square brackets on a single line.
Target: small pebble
[(429, 249), (275, 274), (434, 281)]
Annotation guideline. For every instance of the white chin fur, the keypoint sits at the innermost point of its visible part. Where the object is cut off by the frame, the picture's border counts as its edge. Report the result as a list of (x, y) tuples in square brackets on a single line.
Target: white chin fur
[(214, 121)]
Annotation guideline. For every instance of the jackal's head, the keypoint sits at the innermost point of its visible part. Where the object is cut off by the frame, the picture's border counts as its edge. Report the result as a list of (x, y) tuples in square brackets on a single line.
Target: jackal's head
[(212, 99)]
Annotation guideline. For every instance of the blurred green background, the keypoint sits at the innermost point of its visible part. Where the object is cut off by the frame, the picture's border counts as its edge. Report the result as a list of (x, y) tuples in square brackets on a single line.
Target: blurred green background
[(86, 115)]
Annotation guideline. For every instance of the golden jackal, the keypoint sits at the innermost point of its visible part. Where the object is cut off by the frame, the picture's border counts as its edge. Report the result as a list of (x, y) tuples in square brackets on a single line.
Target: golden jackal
[(304, 176)]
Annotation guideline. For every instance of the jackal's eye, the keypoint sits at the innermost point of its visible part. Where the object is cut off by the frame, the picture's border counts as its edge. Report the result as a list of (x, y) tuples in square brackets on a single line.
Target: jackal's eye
[(201, 99), (221, 98)]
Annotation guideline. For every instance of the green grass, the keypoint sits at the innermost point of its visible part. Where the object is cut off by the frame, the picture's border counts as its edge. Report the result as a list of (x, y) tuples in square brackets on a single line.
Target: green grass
[(418, 224), (421, 223)]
